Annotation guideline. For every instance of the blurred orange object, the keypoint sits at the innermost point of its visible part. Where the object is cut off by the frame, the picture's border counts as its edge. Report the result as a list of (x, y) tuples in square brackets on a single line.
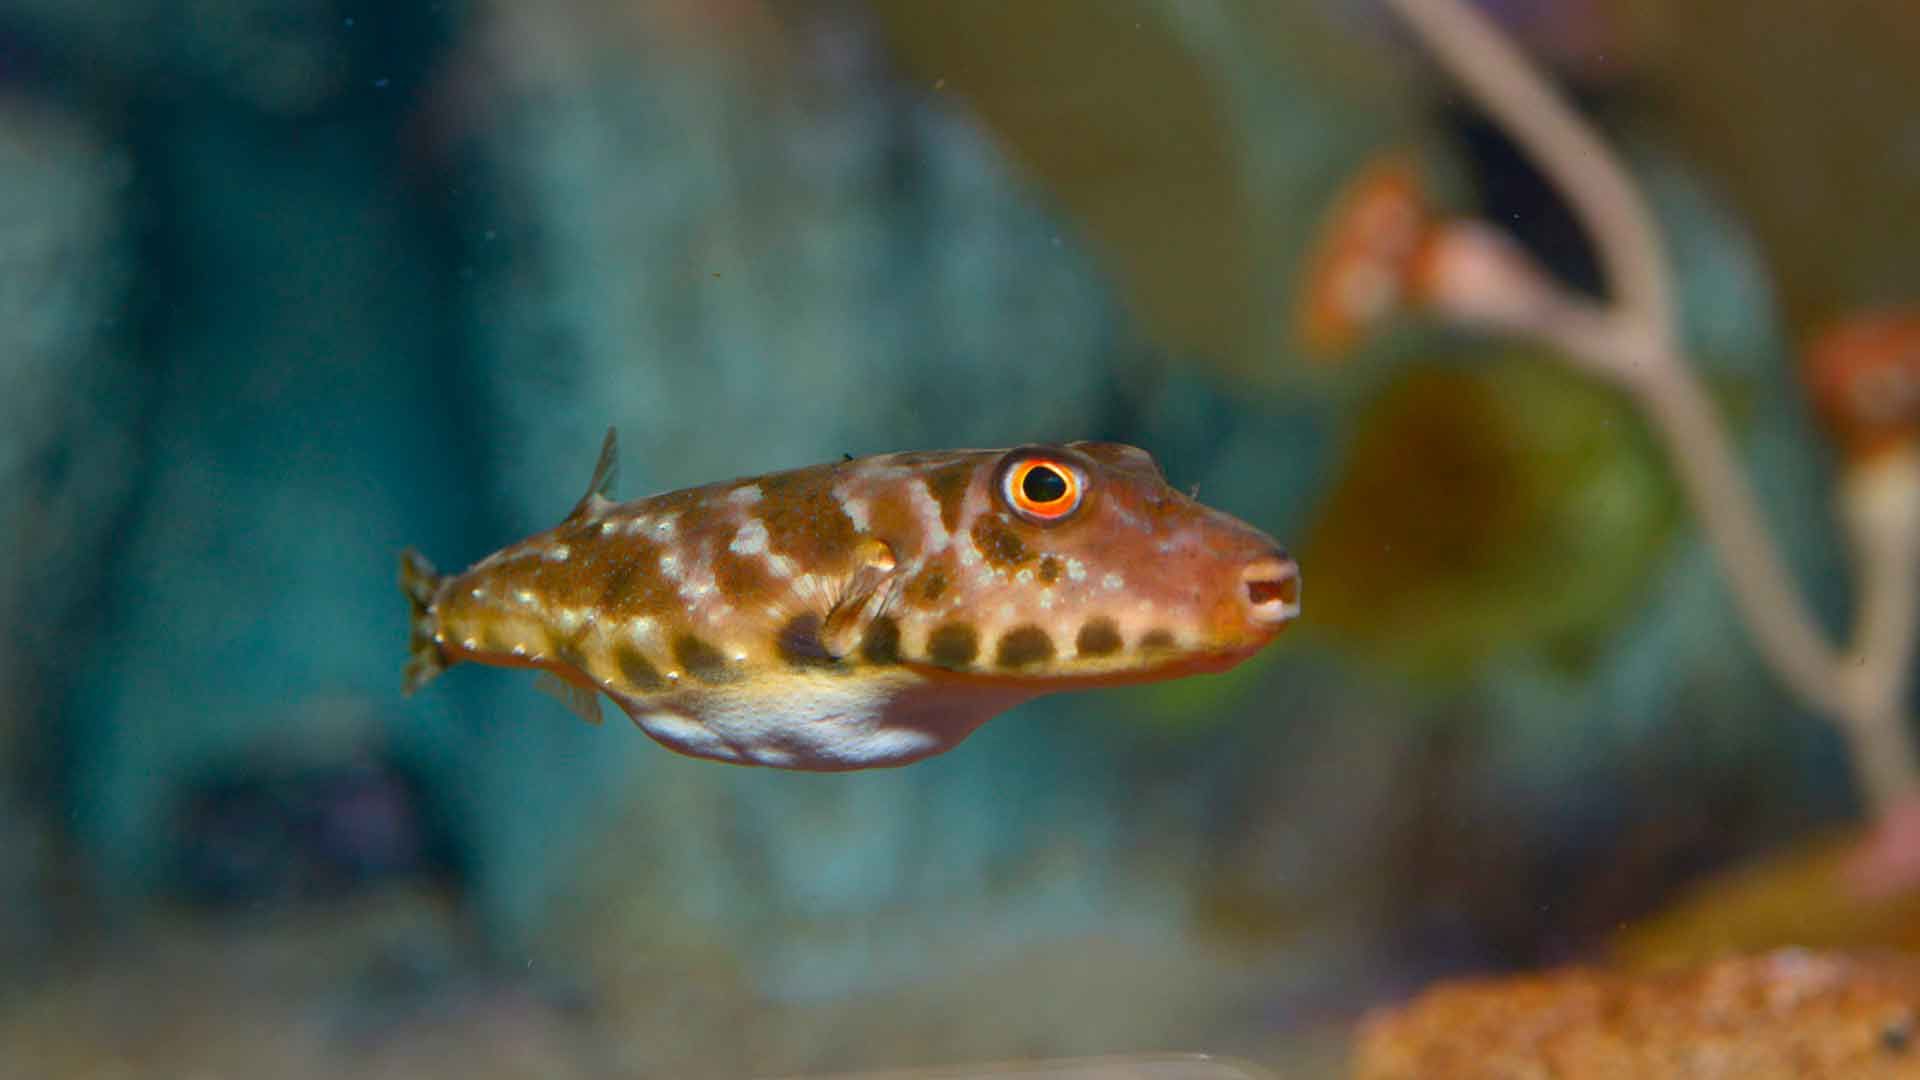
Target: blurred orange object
[(1786, 1014), (1864, 377), (1810, 895), (1365, 261)]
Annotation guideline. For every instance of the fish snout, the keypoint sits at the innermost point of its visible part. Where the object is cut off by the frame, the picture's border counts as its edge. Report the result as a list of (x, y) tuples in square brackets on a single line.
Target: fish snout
[(1270, 588)]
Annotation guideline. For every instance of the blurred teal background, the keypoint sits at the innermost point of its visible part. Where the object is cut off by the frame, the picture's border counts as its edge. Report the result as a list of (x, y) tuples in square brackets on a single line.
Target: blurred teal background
[(287, 285)]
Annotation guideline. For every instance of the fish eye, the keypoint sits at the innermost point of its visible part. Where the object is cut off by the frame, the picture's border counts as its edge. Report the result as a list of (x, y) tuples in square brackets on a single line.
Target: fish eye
[(1043, 490)]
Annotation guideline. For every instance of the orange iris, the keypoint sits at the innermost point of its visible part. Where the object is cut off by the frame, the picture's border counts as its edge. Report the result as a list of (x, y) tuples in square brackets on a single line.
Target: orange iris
[(1043, 490)]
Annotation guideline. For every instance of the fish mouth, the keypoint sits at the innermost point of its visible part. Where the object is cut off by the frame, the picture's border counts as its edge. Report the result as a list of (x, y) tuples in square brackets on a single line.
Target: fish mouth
[(1272, 587)]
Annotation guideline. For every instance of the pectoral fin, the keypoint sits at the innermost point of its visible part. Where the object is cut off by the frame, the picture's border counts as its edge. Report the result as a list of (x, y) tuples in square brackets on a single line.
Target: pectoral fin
[(863, 600)]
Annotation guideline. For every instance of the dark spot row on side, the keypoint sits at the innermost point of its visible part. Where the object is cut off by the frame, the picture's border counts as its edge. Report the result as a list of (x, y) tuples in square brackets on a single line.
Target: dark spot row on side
[(882, 642), (1024, 646), (636, 669), (799, 644), (1098, 637), (701, 660), (955, 646)]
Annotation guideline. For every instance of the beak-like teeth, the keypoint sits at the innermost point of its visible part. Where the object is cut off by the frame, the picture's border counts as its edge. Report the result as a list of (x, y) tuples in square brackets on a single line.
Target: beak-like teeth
[(1273, 590)]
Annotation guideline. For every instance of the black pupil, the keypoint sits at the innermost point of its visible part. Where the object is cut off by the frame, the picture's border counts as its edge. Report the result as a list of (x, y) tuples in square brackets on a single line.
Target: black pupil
[(1043, 484)]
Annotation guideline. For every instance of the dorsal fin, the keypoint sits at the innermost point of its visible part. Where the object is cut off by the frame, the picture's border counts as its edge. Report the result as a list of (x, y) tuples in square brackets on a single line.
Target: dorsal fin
[(604, 473)]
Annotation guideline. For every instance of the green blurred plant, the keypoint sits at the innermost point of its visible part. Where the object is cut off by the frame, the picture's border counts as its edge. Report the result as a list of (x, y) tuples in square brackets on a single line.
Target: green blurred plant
[(1465, 494)]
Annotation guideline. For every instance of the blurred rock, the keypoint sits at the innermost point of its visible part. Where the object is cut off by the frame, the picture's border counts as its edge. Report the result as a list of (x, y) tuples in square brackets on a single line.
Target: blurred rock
[(1787, 1014), (67, 419), (293, 830), (286, 57), (394, 983), (1806, 895), (295, 444), (283, 56), (1099, 993), (390, 984)]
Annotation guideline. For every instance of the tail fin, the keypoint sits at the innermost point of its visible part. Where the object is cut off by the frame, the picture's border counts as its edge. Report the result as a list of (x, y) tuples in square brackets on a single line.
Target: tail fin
[(420, 581)]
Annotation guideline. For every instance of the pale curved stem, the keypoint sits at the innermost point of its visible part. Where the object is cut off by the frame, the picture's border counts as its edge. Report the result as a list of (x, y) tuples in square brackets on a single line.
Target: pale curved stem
[(1879, 505), (1564, 147), (1783, 627), (1634, 341), (1511, 293)]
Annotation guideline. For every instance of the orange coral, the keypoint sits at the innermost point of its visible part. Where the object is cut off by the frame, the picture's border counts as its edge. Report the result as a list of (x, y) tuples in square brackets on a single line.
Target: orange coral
[(1364, 263), (1863, 375)]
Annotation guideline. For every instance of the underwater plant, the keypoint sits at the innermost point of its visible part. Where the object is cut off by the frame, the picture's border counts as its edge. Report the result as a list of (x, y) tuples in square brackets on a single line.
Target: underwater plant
[(1384, 251)]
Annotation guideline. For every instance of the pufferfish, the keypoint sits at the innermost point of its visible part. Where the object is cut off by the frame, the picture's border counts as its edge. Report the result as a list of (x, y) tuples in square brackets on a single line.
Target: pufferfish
[(869, 612)]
